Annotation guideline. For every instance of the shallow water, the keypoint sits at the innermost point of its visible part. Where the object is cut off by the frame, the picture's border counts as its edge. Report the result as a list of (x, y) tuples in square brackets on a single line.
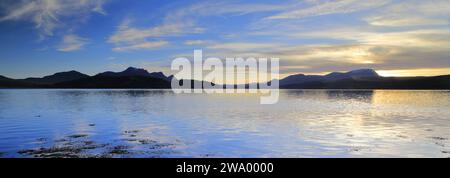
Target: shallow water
[(158, 123)]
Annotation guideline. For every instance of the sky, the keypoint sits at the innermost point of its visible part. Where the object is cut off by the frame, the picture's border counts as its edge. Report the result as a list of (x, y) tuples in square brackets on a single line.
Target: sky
[(394, 37)]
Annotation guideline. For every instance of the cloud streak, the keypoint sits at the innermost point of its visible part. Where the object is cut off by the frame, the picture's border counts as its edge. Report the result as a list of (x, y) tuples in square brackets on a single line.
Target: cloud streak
[(72, 43), (142, 46), (319, 8), (197, 42), (49, 15), (184, 21), (412, 13)]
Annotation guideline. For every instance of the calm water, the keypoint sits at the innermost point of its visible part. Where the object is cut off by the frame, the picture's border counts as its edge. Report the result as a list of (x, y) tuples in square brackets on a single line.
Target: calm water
[(158, 123)]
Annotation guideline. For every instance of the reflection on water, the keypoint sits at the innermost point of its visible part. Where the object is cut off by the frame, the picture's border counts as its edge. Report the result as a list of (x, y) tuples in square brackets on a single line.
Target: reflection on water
[(159, 123)]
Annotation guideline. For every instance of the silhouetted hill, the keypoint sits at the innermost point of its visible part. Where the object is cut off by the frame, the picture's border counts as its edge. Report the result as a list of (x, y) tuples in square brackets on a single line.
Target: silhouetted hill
[(132, 71), (361, 73), (363, 79), (439, 82), (57, 77), (11, 83), (129, 78), (115, 82), (355, 74), (300, 78)]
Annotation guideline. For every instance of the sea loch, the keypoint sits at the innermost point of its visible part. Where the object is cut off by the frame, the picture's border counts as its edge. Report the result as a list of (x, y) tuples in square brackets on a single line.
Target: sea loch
[(159, 123)]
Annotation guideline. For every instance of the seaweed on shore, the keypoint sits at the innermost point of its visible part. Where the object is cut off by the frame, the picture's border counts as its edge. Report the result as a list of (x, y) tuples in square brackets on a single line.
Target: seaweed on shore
[(77, 136), (131, 131), (53, 152), (73, 147), (146, 141), (120, 149)]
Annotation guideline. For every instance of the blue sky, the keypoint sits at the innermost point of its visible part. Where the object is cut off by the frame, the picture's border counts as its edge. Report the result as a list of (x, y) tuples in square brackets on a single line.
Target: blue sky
[(404, 38)]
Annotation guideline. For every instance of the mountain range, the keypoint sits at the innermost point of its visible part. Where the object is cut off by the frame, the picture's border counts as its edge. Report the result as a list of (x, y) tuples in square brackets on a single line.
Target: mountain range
[(363, 79), (140, 78), (355, 74)]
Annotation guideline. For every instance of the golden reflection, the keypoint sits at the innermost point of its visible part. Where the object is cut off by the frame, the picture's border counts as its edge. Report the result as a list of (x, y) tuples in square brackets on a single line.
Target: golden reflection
[(410, 98)]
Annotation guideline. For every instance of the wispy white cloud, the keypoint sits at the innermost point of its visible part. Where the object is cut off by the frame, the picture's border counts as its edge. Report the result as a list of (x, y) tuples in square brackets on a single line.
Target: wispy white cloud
[(197, 42), (412, 13), (327, 7), (48, 15), (184, 21), (126, 34), (244, 46), (128, 38), (72, 43), (142, 46), (421, 38), (98, 7), (238, 8)]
